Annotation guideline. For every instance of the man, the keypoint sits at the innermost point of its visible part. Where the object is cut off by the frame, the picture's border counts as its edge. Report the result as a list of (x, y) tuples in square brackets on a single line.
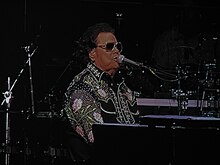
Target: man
[(94, 96)]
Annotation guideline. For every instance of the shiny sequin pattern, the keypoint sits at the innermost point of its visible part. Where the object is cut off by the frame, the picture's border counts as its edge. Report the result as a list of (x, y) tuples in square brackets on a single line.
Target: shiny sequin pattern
[(93, 97)]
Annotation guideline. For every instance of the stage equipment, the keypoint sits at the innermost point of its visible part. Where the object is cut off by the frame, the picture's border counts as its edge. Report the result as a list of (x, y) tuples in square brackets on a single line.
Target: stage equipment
[(7, 100), (174, 103), (192, 86), (159, 139), (30, 54), (44, 131), (179, 94), (198, 83), (209, 88)]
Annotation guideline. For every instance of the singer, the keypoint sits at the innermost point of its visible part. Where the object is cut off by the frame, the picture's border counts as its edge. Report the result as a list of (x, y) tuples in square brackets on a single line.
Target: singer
[(95, 95)]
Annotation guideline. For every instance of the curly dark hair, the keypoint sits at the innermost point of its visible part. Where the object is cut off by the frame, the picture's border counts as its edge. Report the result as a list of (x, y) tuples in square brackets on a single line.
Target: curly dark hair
[(88, 41)]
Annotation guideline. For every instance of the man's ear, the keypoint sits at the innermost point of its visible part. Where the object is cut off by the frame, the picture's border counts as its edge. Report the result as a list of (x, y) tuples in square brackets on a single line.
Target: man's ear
[(92, 55)]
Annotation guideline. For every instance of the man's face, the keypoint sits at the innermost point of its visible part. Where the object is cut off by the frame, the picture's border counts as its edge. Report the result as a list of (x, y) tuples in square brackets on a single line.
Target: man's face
[(106, 53)]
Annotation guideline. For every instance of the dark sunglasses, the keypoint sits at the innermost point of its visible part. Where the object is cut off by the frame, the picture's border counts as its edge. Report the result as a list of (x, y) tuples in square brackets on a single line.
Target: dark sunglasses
[(111, 46)]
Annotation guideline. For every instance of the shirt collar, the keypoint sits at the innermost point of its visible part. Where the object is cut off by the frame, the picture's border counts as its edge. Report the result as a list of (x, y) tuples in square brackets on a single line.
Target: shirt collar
[(98, 73)]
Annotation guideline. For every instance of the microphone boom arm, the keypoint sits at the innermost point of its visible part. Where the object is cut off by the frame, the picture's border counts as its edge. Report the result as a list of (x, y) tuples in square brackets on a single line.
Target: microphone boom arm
[(122, 58)]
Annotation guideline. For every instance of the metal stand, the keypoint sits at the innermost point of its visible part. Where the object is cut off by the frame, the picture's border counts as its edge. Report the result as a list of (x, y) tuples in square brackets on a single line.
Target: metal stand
[(27, 49), (7, 146), (181, 96), (208, 85), (7, 100)]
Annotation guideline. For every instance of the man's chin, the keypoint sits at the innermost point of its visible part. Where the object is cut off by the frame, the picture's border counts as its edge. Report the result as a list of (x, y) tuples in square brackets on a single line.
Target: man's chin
[(112, 72)]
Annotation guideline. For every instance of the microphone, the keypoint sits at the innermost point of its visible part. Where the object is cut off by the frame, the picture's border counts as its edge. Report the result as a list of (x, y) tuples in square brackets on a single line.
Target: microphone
[(122, 58), (27, 48)]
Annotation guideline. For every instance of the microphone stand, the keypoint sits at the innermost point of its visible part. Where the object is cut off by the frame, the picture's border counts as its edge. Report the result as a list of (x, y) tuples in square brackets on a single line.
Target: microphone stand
[(180, 95), (27, 49), (7, 99), (155, 72), (7, 96)]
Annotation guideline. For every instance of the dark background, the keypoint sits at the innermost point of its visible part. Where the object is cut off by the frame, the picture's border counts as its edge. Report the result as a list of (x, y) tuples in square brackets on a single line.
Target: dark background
[(52, 26)]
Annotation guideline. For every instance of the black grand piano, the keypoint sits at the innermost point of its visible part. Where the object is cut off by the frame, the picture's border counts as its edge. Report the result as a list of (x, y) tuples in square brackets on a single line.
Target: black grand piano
[(160, 138)]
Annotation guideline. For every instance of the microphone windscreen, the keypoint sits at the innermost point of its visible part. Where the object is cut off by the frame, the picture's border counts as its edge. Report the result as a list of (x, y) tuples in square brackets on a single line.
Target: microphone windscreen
[(120, 58)]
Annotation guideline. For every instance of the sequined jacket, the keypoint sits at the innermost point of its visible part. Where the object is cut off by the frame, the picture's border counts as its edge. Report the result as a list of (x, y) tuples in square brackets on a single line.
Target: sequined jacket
[(93, 97)]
